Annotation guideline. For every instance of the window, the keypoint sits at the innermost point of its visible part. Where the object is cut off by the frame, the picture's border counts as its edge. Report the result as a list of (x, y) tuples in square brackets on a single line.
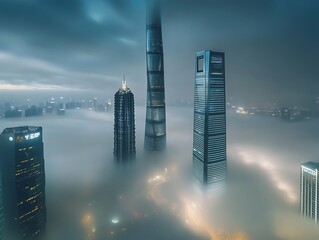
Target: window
[(200, 64), (217, 65)]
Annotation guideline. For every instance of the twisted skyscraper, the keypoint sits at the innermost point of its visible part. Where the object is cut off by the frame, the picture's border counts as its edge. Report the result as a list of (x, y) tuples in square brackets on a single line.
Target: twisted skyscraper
[(155, 126)]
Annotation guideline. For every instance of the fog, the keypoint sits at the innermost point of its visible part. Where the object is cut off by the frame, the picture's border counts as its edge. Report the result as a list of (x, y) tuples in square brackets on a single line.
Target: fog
[(156, 197)]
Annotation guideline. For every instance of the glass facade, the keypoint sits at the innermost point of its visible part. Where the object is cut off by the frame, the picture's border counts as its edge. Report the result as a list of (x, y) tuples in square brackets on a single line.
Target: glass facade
[(309, 190), (209, 138), (155, 126), (124, 125), (1, 210), (23, 179)]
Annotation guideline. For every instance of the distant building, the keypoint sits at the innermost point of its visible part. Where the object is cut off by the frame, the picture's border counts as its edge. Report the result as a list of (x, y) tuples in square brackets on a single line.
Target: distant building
[(61, 109), (48, 107), (95, 104), (294, 114), (13, 113), (23, 181), (309, 188), (33, 111), (155, 126), (285, 114), (7, 106), (108, 105), (209, 138), (124, 125)]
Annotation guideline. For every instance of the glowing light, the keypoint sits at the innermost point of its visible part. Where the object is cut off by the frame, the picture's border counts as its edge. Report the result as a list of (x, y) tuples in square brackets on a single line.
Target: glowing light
[(264, 162), (157, 178), (115, 221), (194, 205), (32, 136)]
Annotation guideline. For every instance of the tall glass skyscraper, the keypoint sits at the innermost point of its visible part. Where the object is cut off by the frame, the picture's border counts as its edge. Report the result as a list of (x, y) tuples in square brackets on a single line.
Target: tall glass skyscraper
[(209, 138), (23, 180), (309, 189), (124, 125), (155, 126)]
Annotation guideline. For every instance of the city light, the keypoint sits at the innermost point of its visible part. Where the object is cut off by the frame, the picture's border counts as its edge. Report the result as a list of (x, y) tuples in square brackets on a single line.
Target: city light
[(115, 221), (218, 143), (32, 136)]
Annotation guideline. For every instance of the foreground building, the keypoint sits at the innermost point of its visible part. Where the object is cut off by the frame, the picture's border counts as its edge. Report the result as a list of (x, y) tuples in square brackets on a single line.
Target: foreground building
[(124, 125), (155, 126), (1, 210), (309, 190), (209, 138), (23, 181)]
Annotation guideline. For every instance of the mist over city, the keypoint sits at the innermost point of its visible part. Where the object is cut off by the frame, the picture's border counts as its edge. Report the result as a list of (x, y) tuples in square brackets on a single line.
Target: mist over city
[(93, 146), (85, 190)]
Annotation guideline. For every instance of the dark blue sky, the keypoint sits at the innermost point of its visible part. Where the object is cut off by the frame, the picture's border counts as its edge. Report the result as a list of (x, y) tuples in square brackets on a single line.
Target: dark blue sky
[(271, 46)]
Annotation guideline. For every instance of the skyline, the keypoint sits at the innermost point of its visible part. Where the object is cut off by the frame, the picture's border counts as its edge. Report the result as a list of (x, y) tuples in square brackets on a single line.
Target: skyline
[(248, 167), (75, 45)]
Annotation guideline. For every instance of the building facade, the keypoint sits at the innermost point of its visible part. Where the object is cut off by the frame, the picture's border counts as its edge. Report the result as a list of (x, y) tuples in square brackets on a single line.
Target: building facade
[(155, 126), (309, 190), (124, 125), (23, 180), (209, 137), (1, 210)]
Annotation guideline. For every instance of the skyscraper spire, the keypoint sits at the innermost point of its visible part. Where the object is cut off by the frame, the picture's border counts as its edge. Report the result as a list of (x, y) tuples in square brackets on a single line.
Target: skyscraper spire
[(155, 126), (124, 86)]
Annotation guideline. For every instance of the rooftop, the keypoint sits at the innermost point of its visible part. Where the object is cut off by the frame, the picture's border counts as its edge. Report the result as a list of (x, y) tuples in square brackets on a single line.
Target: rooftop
[(22, 129), (311, 165)]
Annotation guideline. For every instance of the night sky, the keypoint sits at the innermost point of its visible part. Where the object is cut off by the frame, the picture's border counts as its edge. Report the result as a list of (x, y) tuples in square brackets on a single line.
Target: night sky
[(82, 48), (85, 46)]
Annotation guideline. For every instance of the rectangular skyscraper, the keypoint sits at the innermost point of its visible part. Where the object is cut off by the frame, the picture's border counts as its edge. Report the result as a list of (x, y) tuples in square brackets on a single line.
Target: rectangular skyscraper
[(209, 138), (1, 210), (23, 181), (309, 190), (155, 126)]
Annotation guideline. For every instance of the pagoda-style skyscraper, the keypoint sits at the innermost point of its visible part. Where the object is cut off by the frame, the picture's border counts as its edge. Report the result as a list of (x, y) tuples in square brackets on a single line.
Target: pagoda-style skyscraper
[(155, 126), (124, 125)]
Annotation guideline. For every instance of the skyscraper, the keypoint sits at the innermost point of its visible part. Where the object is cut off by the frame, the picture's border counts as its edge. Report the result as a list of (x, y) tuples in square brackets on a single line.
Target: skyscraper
[(209, 138), (155, 126), (124, 125), (23, 181), (1, 210), (309, 190)]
